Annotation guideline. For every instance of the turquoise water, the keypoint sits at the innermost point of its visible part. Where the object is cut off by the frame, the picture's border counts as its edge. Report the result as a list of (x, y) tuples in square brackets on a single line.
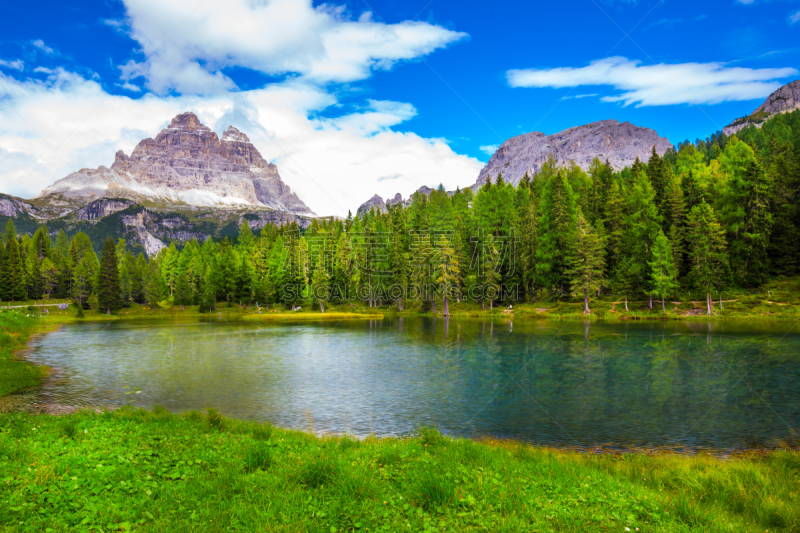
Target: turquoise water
[(567, 384)]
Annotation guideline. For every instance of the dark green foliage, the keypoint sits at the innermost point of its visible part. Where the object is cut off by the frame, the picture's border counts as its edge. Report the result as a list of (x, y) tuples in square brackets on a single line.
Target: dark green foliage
[(108, 290), (519, 241)]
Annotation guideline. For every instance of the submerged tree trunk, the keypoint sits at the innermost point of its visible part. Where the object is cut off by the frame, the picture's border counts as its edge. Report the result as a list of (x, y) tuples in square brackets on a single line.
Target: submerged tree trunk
[(651, 301), (400, 304), (483, 304), (321, 307), (708, 304), (586, 301), (664, 304), (446, 308), (434, 305), (626, 302)]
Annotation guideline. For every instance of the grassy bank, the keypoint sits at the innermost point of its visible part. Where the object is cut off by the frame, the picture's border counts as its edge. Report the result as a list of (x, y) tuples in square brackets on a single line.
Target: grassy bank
[(155, 471), (15, 330)]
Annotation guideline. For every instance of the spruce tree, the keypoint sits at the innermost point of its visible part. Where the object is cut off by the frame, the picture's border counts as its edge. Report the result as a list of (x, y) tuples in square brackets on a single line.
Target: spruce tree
[(108, 288), (490, 272), (557, 226), (586, 263), (16, 284), (447, 272), (707, 250), (320, 282), (662, 269)]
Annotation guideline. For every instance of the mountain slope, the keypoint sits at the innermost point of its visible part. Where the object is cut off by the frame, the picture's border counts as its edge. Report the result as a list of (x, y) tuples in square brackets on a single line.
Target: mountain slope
[(185, 164), (620, 144), (784, 100)]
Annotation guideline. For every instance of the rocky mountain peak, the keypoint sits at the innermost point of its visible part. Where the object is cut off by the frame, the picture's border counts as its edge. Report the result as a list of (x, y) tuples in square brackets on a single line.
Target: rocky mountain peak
[(618, 143), (376, 202), (784, 100), (187, 121), (188, 164), (234, 135)]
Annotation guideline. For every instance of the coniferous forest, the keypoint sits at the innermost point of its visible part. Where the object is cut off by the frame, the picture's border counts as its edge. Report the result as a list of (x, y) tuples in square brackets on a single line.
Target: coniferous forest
[(714, 214)]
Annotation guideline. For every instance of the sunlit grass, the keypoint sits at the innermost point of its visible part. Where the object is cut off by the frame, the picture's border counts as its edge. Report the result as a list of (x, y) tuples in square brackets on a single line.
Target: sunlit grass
[(155, 471)]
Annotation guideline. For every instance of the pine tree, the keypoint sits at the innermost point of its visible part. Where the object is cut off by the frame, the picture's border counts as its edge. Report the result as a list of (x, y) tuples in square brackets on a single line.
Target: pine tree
[(320, 282), (642, 225), (244, 281), (557, 227), (108, 289), (16, 285), (447, 272), (707, 250), (751, 265), (657, 173), (662, 269), (586, 263), (183, 291), (491, 276)]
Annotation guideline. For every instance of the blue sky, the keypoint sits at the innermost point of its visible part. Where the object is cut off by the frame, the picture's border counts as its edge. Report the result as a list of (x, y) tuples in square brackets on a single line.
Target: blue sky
[(383, 96)]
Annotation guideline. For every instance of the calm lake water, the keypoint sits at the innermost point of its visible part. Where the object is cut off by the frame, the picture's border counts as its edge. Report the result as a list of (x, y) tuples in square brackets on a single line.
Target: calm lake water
[(568, 384)]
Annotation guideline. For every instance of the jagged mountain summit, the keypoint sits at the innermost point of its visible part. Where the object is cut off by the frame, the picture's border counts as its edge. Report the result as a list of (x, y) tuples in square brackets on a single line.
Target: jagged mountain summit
[(784, 100), (185, 164), (620, 144)]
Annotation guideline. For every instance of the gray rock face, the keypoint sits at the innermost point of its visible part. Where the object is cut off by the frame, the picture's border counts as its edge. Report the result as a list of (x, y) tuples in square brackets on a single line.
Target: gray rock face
[(185, 164), (784, 100), (11, 207), (620, 144), (376, 202), (102, 208)]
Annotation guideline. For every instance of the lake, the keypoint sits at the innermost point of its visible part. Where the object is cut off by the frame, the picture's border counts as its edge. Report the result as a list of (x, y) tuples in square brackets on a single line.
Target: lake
[(567, 384)]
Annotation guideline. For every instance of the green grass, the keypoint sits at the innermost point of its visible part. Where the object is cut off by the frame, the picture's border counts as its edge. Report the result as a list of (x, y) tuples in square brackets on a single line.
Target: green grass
[(15, 330), (156, 471)]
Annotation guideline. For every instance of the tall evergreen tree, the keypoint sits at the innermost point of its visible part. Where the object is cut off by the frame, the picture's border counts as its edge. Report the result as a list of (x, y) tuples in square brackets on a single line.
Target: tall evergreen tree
[(707, 250), (586, 264), (108, 288), (662, 269), (15, 283), (447, 272)]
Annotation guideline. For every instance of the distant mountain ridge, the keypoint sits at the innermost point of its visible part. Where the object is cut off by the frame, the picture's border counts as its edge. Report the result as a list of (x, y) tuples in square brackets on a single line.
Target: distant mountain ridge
[(620, 144), (185, 164), (784, 100)]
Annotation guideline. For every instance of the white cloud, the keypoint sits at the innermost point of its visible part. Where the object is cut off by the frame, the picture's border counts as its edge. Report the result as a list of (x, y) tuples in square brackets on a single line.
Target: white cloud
[(38, 43), (662, 84), (129, 87), (17, 64), (489, 149), (578, 96), (794, 17), (333, 164), (278, 37)]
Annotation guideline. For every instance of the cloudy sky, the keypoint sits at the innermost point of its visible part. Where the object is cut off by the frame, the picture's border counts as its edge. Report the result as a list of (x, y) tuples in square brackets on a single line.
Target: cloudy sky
[(356, 98)]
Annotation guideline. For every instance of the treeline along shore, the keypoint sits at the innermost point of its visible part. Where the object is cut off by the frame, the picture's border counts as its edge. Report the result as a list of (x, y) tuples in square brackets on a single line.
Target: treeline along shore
[(716, 216)]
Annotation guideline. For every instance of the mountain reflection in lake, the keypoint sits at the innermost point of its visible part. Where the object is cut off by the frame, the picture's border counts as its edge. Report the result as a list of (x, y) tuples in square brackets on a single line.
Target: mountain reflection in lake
[(696, 385)]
